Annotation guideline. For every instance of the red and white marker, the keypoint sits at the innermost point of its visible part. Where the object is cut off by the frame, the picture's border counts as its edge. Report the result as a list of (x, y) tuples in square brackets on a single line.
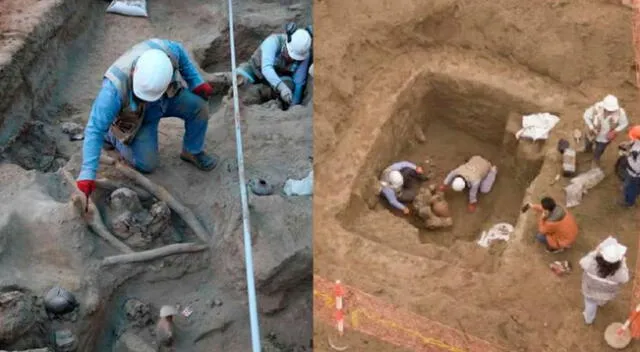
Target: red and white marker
[(339, 315)]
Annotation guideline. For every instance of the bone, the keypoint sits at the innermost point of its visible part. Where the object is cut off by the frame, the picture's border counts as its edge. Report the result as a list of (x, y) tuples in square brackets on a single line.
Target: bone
[(92, 217), (172, 249)]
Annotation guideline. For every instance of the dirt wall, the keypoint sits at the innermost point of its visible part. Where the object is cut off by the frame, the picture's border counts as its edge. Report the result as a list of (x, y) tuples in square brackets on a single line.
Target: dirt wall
[(555, 32), (31, 48)]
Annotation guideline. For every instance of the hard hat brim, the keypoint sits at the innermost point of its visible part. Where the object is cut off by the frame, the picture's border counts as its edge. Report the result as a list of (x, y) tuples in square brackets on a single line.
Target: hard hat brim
[(145, 96), (294, 55)]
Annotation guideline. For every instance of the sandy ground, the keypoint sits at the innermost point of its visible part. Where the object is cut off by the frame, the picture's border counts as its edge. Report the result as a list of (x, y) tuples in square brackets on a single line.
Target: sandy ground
[(459, 71), (277, 146)]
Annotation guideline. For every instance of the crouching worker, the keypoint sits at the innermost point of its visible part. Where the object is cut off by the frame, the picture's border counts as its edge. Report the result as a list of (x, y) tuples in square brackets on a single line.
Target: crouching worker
[(140, 88), (400, 184), (477, 174), (557, 227), (282, 62)]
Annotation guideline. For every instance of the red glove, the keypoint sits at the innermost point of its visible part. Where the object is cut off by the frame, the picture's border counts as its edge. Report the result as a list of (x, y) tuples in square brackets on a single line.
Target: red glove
[(204, 90), (443, 188), (472, 207), (612, 135), (86, 186)]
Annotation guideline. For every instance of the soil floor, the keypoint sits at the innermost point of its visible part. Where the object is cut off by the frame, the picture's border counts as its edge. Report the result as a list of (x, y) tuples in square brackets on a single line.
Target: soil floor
[(277, 146), (443, 80)]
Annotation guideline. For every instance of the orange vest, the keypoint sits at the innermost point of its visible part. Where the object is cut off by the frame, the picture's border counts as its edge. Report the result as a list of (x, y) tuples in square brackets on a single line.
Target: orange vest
[(561, 233)]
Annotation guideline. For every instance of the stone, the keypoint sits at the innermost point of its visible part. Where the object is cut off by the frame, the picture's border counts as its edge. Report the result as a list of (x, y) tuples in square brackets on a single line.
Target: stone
[(65, 341), (71, 128), (138, 312), (272, 304), (17, 312)]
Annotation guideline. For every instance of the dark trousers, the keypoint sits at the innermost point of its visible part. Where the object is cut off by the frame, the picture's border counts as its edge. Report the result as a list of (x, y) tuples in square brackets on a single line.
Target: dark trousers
[(631, 190), (597, 148), (411, 185)]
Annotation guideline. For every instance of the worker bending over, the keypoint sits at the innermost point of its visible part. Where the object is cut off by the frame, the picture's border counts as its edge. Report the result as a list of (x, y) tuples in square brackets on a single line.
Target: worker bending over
[(604, 120), (477, 174), (142, 86), (631, 188), (557, 227), (282, 62), (400, 184)]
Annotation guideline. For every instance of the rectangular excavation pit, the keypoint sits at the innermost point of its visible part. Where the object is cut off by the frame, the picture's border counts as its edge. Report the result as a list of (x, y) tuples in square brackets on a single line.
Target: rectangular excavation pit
[(455, 120)]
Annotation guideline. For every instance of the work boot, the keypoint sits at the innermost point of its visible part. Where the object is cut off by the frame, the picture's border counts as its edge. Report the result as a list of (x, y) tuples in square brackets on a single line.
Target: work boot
[(202, 160)]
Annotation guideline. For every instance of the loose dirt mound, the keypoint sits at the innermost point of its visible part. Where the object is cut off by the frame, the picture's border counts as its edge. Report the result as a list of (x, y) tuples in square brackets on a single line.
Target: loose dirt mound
[(443, 81), (43, 240)]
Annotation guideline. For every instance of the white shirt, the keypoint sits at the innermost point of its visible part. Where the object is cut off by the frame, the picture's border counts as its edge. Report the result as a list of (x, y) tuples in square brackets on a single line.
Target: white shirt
[(595, 119)]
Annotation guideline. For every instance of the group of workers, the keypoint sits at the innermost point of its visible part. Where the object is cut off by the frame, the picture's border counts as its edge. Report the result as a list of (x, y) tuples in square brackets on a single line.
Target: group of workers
[(156, 78), (398, 184), (605, 267)]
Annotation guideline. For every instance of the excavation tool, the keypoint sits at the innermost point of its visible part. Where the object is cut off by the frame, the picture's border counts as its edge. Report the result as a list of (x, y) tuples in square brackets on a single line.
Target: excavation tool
[(619, 335)]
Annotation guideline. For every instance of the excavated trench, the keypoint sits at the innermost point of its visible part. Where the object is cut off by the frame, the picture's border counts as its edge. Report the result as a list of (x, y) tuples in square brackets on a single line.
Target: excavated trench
[(45, 83), (439, 121)]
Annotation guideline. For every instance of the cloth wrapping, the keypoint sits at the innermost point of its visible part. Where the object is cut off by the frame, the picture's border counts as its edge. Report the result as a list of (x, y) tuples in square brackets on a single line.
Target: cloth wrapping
[(500, 231), (537, 126)]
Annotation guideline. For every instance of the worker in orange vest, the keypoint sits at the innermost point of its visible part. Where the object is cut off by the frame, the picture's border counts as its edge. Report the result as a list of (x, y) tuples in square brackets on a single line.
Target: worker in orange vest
[(557, 227)]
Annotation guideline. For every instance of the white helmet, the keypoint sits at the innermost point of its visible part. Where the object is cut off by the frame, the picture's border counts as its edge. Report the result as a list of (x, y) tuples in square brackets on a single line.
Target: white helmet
[(396, 179), (458, 184), (610, 103), (299, 45), (152, 75), (167, 311)]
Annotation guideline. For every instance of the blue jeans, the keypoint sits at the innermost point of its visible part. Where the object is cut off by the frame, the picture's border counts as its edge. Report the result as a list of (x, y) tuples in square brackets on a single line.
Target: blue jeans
[(142, 152), (542, 239), (631, 190)]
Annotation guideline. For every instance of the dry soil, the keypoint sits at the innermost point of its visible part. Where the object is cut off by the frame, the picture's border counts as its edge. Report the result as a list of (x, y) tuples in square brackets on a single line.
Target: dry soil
[(461, 73)]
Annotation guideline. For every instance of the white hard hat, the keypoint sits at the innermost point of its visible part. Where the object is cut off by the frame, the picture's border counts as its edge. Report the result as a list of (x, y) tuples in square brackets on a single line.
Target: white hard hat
[(458, 184), (299, 45), (613, 252), (167, 311), (152, 75), (610, 103), (396, 179)]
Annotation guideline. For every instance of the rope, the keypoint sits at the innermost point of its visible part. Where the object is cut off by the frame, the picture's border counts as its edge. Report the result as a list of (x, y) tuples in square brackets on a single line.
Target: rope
[(248, 257)]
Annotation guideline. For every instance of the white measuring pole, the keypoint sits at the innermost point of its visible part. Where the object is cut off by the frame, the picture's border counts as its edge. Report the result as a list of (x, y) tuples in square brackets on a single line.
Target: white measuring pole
[(248, 256)]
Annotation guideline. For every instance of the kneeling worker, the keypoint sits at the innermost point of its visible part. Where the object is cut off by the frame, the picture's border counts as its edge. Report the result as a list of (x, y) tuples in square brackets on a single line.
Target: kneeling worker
[(282, 61), (476, 174), (400, 185), (557, 227)]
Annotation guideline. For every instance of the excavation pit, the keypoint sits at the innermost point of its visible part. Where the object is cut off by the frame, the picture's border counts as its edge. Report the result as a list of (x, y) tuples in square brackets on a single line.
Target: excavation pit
[(464, 64), (439, 123)]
